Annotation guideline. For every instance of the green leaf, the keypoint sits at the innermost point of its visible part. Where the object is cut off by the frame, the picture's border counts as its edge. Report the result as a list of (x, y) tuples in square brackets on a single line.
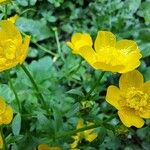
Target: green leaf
[(6, 92), (37, 28), (16, 124)]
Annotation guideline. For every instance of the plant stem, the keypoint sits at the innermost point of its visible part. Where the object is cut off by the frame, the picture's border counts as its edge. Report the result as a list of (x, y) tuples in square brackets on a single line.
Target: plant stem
[(43, 48), (58, 45), (42, 101), (96, 84), (15, 93)]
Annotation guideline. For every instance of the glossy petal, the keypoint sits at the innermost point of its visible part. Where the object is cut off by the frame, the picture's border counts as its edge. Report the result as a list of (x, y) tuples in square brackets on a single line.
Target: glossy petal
[(146, 87), (107, 67), (7, 115), (113, 96), (129, 118), (146, 112), (104, 39), (127, 46), (88, 54), (2, 106), (79, 40), (132, 61), (131, 79)]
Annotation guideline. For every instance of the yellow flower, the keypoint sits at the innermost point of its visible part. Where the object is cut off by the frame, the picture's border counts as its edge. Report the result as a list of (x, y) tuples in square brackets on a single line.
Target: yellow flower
[(1, 142), (108, 54), (46, 147), (13, 49), (88, 135), (131, 99), (6, 112)]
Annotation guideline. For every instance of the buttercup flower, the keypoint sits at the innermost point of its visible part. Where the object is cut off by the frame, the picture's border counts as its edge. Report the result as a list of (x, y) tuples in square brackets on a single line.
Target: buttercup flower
[(1, 142), (132, 99), (13, 49), (46, 147), (108, 54), (6, 112), (88, 135)]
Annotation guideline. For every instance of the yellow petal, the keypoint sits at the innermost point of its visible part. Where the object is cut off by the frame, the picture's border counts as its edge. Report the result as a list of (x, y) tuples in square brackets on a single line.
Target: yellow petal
[(107, 67), (127, 46), (146, 87), (80, 123), (129, 118), (2, 105), (113, 96), (24, 49), (1, 142), (13, 19), (88, 54), (82, 36), (131, 79), (90, 137), (46, 147), (7, 115), (132, 61), (104, 39), (79, 40), (146, 112), (75, 143)]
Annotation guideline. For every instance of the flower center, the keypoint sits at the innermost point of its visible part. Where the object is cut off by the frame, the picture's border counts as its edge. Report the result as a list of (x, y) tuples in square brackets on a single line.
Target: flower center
[(136, 99)]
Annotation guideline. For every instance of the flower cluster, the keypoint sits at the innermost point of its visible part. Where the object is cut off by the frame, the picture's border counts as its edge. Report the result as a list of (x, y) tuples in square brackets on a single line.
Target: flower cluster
[(132, 99), (13, 48), (108, 54), (88, 135)]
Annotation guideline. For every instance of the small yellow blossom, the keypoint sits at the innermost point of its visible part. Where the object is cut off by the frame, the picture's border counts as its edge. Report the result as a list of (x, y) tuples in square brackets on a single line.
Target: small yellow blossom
[(46, 147), (88, 135), (6, 112), (1, 142), (131, 99), (108, 54), (13, 49)]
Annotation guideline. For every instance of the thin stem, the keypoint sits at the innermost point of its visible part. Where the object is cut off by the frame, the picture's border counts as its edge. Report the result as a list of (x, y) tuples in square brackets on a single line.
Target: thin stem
[(58, 44), (95, 85), (34, 84), (15, 93), (43, 48)]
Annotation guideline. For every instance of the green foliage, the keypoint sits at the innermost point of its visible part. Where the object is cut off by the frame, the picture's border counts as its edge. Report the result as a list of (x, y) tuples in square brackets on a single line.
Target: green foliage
[(64, 83)]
